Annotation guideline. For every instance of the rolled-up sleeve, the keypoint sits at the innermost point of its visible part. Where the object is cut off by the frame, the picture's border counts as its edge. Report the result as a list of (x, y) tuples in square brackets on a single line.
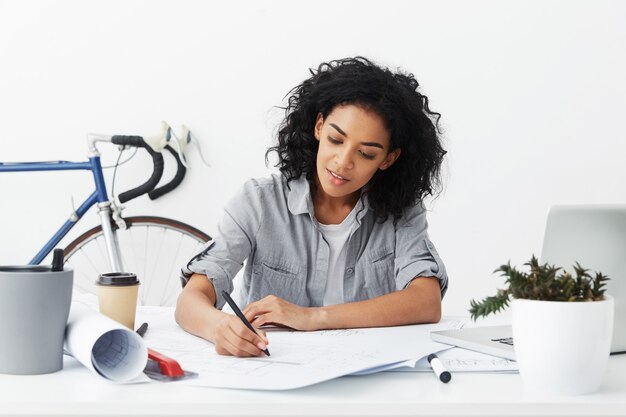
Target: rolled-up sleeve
[(416, 255), (222, 258)]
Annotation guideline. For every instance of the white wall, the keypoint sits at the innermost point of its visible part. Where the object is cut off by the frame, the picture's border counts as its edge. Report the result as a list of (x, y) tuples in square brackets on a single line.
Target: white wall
[(532, 94)]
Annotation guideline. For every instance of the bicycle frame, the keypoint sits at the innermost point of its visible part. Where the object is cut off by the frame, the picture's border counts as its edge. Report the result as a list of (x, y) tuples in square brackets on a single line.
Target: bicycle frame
[(99, 197)]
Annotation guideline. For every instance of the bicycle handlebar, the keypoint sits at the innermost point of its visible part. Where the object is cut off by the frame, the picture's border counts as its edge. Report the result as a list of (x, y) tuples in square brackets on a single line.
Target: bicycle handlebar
[(175, 182), (157, 161)]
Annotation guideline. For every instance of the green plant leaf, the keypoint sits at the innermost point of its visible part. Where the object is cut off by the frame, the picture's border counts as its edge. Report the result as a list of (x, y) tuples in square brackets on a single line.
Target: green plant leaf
[(543, 282)]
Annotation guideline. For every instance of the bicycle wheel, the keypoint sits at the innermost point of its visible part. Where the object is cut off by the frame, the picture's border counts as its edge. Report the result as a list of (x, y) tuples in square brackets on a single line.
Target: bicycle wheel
[(154, 248)]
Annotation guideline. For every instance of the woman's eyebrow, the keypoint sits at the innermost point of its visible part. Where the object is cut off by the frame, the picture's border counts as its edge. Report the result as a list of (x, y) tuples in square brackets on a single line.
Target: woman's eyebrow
[(338, 129), (374, 144)]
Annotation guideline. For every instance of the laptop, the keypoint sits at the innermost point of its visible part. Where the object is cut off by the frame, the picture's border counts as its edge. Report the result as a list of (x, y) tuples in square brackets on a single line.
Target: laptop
[(592, 235)]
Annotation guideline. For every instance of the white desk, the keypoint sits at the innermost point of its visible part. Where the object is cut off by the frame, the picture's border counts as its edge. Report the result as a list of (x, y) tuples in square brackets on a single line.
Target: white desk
[(75, 391)]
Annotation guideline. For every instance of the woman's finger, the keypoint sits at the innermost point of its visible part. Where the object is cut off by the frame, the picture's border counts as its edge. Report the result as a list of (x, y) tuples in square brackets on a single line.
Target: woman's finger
[(237, 350), (260, 335), (260, 320), (241, 329), (263, 336), (240, 346), (256, 309)]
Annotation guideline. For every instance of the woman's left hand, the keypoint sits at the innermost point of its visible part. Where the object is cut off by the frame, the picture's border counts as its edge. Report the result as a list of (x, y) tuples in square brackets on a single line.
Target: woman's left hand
[(276, 311)]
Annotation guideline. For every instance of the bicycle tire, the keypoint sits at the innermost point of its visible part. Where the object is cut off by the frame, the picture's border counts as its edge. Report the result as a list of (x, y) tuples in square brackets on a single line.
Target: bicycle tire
[(155, 248)]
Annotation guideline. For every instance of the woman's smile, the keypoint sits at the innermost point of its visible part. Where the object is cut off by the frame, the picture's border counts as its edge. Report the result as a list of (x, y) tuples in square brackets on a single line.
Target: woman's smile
[(335, 178)]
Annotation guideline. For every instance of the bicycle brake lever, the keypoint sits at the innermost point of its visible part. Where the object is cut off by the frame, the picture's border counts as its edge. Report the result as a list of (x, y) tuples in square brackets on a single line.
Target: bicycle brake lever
[(179, 144), (190, 139), (116, 214)]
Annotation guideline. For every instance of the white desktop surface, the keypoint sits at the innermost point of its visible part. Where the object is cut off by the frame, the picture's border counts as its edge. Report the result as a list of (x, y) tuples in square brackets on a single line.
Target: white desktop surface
[(76, 391)]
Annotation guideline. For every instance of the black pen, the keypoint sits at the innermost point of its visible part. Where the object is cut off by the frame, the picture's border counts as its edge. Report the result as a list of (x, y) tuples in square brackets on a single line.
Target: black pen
[(142, 329), (440, 371), (239, 314)]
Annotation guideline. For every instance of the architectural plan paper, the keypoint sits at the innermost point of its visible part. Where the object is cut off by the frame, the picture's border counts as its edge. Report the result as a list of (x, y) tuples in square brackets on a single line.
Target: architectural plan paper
[(104, 346), (298, 358)]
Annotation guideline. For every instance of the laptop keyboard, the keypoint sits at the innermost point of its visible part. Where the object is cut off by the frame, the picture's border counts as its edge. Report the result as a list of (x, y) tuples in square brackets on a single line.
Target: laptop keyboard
[(504, 340)]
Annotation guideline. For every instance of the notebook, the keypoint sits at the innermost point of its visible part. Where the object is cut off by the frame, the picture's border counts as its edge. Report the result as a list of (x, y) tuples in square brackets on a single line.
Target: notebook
[(594, 236)]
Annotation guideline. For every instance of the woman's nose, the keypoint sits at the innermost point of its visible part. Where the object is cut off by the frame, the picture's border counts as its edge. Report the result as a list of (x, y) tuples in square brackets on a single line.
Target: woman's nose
[(344, 159)]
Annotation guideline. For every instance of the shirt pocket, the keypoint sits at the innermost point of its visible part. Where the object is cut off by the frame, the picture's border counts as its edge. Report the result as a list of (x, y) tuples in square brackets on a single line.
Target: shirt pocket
[(278, 277), (379, 272)]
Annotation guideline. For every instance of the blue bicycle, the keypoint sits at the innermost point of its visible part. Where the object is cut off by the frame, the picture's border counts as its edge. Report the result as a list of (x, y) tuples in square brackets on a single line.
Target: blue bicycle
[(153, 247)]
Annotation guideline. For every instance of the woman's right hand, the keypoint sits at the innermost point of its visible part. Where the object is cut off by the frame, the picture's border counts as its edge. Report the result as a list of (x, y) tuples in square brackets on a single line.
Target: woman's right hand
[(232, 337), (196, 313)]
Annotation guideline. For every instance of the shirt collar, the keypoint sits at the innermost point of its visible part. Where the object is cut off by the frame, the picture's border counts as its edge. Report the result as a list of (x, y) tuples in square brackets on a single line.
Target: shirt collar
[(299, 196), (299, 199)]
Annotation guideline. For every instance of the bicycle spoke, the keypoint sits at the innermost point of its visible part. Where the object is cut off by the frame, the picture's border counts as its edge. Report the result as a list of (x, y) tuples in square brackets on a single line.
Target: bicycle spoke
[(158, 257), (83, 274), (86, 271), (145, 258), (123, 258), (134, 246), (166, 290)]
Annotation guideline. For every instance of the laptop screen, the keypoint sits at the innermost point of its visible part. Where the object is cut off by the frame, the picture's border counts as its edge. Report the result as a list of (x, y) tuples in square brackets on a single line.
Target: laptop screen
[(595, 237)]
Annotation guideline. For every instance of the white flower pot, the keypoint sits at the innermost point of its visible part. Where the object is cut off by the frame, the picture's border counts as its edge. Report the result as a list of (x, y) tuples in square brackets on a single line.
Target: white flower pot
[(562, 347)]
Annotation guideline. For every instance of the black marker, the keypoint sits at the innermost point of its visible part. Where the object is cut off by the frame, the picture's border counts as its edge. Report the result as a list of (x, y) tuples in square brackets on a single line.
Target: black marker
[(57, 260), (239, 314), (440, 371), (142, 329)]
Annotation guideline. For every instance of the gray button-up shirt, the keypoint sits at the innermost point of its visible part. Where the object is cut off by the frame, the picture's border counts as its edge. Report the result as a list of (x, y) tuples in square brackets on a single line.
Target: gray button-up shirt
[(271, 224)]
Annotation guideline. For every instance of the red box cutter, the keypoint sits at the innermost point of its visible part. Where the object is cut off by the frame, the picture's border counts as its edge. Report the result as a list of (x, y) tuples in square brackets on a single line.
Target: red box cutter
[(164, 368)]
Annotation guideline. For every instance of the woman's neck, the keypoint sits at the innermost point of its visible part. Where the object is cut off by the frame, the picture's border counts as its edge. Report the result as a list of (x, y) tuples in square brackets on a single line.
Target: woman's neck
[(332, 210)]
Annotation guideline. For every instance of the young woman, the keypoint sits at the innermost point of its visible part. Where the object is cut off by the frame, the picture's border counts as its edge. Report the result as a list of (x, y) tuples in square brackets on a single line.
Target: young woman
[(339, 238)]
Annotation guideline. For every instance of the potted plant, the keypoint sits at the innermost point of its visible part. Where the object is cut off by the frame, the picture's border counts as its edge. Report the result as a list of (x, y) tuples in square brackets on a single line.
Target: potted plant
[(562, 325)]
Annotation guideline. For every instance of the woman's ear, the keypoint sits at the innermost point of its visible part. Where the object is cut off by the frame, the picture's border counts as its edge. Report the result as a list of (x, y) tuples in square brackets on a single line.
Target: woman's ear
[(319, 122), (390, 159)]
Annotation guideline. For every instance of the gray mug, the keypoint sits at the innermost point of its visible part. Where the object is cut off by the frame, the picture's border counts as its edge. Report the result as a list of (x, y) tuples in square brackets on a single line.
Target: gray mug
[(34, 308)]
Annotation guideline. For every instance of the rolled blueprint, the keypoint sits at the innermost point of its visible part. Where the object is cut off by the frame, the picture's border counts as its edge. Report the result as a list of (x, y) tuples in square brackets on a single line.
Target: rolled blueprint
[(103, 345)]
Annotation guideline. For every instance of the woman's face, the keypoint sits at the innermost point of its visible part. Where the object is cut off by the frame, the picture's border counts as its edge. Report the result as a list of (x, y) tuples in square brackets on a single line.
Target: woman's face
[(354, 144)]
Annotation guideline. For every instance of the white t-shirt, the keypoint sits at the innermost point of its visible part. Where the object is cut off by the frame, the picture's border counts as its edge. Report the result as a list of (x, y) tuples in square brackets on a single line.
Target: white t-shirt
[(336, 235)]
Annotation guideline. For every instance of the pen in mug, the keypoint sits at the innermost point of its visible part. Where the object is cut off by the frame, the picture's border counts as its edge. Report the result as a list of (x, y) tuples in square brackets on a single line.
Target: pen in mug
[(443, 375), (239, 314), (142, 329)]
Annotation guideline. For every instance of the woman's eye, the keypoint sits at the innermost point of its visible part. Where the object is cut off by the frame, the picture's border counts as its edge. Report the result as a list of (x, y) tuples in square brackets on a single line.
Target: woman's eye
[(367, 155), (332, 140)]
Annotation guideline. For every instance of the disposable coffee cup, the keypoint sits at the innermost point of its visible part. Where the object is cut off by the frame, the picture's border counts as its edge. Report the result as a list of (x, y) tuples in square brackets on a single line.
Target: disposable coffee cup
[(117, 297), (34, 308)]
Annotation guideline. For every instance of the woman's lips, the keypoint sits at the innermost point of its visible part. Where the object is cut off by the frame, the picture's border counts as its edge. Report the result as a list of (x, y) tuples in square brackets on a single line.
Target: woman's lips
[(336, 179)]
